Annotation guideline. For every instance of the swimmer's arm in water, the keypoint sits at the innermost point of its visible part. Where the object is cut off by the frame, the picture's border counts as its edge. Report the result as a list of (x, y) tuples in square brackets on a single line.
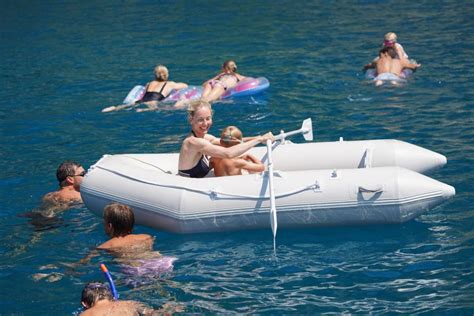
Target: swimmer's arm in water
[(407, 64)]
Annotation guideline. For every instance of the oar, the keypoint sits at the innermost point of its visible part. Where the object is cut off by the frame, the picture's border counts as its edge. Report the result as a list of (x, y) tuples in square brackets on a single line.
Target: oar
[(307, 131), (273, 211)]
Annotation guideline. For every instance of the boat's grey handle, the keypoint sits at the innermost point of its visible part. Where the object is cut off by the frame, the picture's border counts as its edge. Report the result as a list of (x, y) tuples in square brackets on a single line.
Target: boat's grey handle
[(367, 190)]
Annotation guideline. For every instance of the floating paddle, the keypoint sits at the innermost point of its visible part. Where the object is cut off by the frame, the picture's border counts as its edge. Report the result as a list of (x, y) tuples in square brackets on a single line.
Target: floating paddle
[(109, 279), (307, 131)]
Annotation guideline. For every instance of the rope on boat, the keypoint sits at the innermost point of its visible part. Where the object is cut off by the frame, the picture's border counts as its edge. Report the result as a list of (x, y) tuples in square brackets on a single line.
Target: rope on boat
[(213, 193)]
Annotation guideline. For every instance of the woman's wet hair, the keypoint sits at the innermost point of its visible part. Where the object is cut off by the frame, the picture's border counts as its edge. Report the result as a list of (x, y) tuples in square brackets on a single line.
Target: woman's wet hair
[(230, 136), (120, 217), (195, 105), (66, 168), (229, 65), (161, 73), (95, 291)]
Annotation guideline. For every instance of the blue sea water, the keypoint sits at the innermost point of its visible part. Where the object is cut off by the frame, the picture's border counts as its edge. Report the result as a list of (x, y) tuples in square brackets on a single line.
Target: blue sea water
[(63, 61)]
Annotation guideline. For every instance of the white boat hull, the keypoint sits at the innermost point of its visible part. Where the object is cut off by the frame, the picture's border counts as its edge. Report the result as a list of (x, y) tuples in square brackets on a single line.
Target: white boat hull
[(305, 195)]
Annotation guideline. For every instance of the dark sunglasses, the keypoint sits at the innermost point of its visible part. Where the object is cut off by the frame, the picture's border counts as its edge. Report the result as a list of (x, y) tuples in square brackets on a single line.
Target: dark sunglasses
[(83, 173)]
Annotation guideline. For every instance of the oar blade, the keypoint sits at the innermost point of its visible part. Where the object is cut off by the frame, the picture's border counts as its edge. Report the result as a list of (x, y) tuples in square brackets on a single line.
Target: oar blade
[(307, 128), (274, 221)]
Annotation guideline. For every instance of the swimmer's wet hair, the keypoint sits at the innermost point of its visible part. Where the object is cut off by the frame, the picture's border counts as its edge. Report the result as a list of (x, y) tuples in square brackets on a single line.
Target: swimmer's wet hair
[(65, 169), (95, 291), (121, 218), (389, 50), (161, 73), (195, 105)]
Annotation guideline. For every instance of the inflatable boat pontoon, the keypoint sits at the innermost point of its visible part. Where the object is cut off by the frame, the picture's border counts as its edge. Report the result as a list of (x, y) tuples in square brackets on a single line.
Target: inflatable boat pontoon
[(315, 184)]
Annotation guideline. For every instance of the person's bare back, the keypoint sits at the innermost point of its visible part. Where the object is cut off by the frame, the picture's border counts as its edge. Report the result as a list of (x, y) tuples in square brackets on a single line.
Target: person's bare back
[(139, 242), (387, 64)]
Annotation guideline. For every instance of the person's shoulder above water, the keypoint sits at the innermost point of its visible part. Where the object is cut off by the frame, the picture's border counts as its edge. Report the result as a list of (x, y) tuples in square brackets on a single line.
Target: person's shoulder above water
[(97, 300), (69, 175), (118, 222)]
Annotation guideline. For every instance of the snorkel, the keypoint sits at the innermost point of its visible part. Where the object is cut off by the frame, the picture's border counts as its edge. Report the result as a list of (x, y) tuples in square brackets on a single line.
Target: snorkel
[(109, 279)]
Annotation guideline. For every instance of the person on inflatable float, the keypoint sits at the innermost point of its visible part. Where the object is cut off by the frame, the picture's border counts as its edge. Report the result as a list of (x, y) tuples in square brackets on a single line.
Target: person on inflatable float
[(232, 136), (160, 88), (389, 68), (199, 145), (215, 87), (390, 40)]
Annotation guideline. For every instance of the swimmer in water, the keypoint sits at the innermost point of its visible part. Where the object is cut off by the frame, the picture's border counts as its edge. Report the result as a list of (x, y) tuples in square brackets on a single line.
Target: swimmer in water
[(118, 223), (69, 175), (390, 68), (97, 299), (160, 88)]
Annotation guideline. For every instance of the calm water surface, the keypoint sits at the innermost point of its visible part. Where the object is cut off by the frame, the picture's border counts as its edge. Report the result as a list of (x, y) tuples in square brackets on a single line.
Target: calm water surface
[(62, 62)]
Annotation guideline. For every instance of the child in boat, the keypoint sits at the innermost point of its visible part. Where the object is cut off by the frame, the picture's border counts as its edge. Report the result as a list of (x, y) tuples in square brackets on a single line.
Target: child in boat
[(231, 136)]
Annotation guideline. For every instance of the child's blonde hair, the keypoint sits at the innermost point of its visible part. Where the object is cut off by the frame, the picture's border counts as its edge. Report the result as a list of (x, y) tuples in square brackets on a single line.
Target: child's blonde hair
[(390, 36), (230, 136)]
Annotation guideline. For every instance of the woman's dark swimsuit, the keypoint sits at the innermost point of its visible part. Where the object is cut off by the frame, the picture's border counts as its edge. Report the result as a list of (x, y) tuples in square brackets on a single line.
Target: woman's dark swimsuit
[(200, 170), (154, 96)]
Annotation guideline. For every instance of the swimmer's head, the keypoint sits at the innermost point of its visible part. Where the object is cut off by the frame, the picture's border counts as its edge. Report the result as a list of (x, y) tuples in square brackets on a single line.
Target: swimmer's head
[(161, 73), (93, 292), (118, 220), (231, 136), (390, 39), (66, 169), (196, 105), (229, 66), (390, 51)]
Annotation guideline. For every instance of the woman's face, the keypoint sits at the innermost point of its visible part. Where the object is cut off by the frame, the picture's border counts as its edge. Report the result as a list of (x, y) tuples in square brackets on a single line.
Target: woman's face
[(201, 122)]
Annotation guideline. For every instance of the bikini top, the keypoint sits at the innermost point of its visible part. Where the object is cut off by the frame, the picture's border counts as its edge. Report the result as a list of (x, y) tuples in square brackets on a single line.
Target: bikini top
[(226, 74), (200, 170)]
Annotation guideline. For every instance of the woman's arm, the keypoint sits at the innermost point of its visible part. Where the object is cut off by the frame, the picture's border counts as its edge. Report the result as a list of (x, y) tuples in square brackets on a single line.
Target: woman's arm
[(240, 77), (231, 152), (179, 85)]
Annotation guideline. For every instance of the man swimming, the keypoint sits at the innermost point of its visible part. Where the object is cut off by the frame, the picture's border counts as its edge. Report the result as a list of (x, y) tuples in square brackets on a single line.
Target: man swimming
[(389, 68)]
